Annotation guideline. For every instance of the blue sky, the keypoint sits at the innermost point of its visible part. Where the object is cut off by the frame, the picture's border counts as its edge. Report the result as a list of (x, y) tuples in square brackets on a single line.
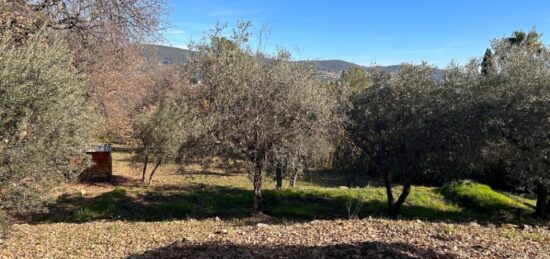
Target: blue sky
[(366, 32)]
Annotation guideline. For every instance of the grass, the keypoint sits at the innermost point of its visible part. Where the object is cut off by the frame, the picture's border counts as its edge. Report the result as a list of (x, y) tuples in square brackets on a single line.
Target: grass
[(299, 204), (481, 197), (205, 193), (106, 205)]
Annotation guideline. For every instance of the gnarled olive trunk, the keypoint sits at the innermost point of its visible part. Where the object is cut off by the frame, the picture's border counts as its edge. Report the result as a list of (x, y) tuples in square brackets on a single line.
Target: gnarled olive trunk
[(279, 176), (395, 206), (542, 201), (154, 170), (258, 203), (389, 193), (145, 162), (293, 178)]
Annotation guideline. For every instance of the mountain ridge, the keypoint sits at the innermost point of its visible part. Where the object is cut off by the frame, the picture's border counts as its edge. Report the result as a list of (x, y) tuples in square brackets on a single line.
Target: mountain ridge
[(330, 68)]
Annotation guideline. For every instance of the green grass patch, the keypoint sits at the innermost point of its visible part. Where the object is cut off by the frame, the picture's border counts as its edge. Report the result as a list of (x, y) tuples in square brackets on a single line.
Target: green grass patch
[(457, 202), (106, 205), (481, 198), (319, 203)]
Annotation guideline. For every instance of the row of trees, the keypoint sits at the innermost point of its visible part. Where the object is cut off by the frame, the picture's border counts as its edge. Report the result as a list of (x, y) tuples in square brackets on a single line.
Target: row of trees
[(262, 113), (277, 117), (497, 110)]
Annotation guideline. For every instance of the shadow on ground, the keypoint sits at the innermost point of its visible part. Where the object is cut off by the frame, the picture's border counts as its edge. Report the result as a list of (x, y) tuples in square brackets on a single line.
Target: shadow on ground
[(329, 178), (189, 249), (206, 201)]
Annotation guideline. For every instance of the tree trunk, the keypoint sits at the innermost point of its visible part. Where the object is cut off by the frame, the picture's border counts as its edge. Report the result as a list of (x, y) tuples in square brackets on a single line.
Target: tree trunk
[(293, 178), (542, 201), (154, 170), (399, 203), (258, 203), (389, 194), (145, 162), (304, 162), (279, 176), (347, 173)]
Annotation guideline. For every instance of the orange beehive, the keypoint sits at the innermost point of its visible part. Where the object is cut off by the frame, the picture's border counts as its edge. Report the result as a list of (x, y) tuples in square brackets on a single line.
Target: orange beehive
[(102, 164)]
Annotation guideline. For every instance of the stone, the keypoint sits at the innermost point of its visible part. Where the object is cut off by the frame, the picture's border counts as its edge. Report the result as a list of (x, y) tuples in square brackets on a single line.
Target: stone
[(262, 225)]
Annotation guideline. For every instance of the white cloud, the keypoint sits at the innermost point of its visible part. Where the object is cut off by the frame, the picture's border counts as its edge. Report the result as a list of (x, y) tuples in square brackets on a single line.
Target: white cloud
[(175, 32)]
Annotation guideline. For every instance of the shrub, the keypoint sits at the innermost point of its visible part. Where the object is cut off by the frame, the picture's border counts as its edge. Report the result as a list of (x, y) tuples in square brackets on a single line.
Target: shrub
[(44, 118)]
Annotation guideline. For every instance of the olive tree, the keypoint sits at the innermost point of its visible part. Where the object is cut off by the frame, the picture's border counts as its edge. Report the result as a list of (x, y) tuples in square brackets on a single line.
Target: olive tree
[(163, 132), (519, 93), (505, 111), (401, 122), (44, 117), (347, 158), (256, 102), (293, 157)]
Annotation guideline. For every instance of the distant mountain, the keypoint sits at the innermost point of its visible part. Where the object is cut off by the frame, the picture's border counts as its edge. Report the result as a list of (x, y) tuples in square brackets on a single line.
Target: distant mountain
[(330, 69), (333, 66), (166, 55)]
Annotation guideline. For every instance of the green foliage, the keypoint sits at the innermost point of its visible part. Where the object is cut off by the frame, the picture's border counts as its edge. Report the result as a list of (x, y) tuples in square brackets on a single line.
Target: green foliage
[(392, 119), (488, 65), (347, 158), (412, 127), (355, 78), (517, 108), (4, 225), (479, 197), (86, 215), (45, 118), (165, 129)]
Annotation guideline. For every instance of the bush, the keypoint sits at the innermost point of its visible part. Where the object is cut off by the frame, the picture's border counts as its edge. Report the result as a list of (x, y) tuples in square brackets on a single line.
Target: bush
[(44, 119), (4, 225)]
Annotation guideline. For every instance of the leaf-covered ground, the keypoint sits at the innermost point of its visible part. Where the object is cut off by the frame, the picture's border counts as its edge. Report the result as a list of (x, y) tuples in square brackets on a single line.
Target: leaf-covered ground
[(249, 239)]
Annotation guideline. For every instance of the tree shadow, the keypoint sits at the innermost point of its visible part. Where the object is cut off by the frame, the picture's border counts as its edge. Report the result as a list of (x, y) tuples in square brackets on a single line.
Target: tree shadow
[(208, 201), (330, 178), (192, 173), (124, 149), (116, 180), (224, 249)]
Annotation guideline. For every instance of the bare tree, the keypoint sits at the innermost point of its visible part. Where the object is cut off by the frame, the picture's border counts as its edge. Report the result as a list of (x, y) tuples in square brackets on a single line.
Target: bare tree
[(105, 39)]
